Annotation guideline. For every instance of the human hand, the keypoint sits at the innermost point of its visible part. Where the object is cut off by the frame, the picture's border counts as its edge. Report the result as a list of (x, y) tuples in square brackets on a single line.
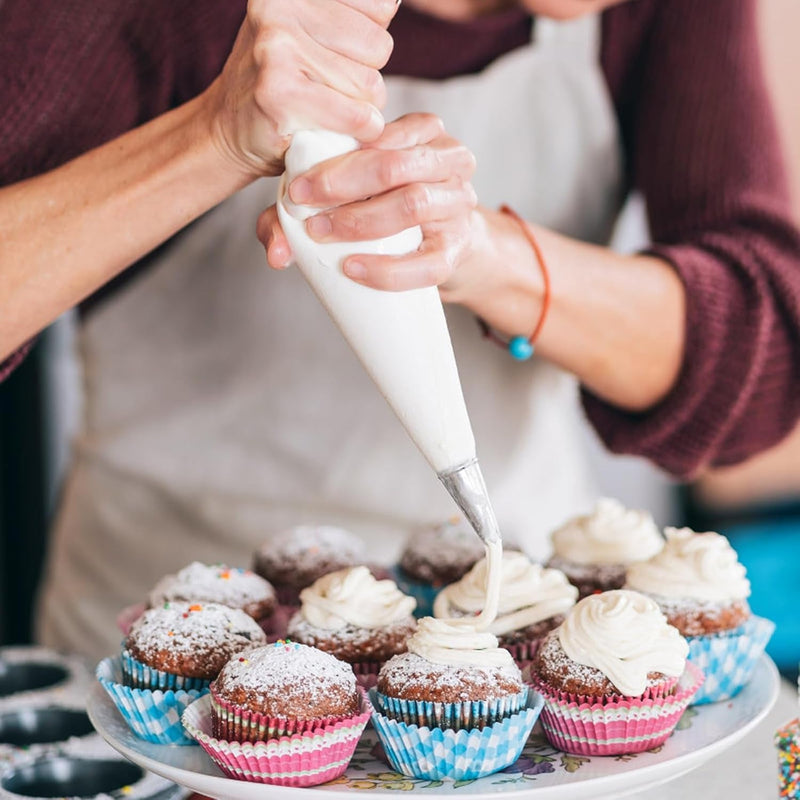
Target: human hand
[(299, 64), (413, 174)]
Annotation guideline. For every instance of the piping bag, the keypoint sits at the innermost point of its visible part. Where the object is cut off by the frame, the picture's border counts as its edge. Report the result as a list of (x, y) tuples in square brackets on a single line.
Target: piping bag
[(401, 338)]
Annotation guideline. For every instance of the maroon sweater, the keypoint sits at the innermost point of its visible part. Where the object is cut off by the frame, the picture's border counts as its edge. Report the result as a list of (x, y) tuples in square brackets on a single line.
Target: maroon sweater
[(699, 139)]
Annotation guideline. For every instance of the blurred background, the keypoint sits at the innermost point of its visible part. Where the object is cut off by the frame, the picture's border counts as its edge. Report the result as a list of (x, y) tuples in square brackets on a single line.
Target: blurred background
[(757, 504)]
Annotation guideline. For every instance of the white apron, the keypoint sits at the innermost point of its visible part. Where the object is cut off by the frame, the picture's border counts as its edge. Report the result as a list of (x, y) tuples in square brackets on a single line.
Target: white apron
[(221, 404)]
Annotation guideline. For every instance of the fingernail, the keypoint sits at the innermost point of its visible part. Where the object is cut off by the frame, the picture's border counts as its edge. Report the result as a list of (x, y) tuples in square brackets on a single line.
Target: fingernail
[(300, 190), (319, 226), (355, 269)]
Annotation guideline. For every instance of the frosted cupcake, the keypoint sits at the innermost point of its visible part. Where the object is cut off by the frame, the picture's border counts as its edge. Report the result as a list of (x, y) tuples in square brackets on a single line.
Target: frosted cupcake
[(293, 559), (454, 706), (356, 618), (216, 583), (614, 676), (595, 550), (702, 588), (284, 714), (533, 601)]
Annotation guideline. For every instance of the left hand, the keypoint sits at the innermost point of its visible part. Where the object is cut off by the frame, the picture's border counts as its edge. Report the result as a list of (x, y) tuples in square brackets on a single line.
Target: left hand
[(413, 174)]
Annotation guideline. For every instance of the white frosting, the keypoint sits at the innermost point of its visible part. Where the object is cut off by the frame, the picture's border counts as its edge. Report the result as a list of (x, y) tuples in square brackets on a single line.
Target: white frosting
[(354, 597), (625, 636), (529, 594), (611, 534), (457, 643), (699, 566), (401, 338)]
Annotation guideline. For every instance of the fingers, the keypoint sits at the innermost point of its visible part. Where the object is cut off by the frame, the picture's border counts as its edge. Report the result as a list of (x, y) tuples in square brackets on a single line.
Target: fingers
[(375, 170), (270, 234), (433, 264), (413, 204)]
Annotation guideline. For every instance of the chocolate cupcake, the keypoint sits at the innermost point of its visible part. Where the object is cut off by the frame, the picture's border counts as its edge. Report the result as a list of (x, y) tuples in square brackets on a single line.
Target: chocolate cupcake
[(182, 645), (702, 589), (533, 602), (595, 550), (356, 618), (285, 714), (217, 583), (293, 559), (279, 690), (614, 676), (455, 706)]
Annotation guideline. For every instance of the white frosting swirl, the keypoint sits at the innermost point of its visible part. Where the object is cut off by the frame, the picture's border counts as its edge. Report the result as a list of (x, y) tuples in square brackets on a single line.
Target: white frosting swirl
[(625, 636), (699, 566), (457, 643), (611, 534), (530, 593), (354, 597)]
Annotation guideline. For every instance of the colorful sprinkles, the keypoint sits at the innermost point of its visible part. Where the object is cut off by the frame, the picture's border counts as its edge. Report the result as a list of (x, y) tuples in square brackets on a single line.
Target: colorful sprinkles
[(787, 740)]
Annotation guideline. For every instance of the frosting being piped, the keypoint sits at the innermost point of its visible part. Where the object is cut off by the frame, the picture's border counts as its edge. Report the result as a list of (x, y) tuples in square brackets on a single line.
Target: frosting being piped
[(448, 642), (354, 597), (531, 593), (625, 636)]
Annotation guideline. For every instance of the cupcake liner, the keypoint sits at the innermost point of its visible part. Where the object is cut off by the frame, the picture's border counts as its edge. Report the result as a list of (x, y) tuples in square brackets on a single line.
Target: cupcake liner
[(154, 716), (306, 759), (728, 659), (468, 715), (423, 593), (236, 724), (140, 676), (447, 754), (128, 616), (615, 726)]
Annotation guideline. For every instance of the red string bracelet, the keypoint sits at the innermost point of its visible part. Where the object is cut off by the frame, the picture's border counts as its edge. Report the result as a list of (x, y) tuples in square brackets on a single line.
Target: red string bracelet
[(522, 347)]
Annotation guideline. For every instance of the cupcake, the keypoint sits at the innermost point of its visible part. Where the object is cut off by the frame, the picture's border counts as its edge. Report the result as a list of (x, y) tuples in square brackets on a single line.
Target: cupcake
[(454, 706), (295, 558), (532, 603), (702, 589), (185, 645), (614, 676), (171, 655), (435, 556), (285, 714), (595, 550), (356, 618), (217, 583)]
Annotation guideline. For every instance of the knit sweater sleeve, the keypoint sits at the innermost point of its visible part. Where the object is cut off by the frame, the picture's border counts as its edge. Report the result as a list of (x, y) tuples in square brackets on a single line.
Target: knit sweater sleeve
[(75, 75), (705, 154)]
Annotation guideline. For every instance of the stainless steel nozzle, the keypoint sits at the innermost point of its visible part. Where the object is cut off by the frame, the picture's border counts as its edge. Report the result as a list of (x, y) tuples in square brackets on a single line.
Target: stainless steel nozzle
[(466, 486)]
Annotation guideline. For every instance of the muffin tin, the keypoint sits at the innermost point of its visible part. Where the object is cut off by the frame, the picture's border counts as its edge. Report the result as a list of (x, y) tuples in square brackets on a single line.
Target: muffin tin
[(48, 746)]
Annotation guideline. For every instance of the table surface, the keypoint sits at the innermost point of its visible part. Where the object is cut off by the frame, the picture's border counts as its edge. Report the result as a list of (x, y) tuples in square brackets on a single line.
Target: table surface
[(746, 771)]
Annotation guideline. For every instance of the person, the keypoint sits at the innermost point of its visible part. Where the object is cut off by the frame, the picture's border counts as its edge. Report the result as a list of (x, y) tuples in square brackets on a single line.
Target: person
[(221, 404)]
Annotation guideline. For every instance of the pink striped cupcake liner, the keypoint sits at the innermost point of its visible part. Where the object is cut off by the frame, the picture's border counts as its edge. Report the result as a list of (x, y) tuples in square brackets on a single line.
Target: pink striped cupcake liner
[(305, 759), (618, 725), (236, 724)]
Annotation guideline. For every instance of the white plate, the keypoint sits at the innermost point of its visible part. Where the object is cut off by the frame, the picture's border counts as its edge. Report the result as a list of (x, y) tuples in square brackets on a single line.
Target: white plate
[(541, 773)]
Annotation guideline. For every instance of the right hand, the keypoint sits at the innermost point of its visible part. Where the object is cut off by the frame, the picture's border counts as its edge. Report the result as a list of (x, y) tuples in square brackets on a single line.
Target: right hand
[(299, 64)]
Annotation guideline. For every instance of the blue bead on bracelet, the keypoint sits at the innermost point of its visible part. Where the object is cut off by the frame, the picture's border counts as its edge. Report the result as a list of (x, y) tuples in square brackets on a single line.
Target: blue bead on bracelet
[(520, 348)]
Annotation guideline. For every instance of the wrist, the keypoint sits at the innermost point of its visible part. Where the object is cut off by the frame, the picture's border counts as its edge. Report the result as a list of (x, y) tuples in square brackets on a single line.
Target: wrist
[(501, 281)]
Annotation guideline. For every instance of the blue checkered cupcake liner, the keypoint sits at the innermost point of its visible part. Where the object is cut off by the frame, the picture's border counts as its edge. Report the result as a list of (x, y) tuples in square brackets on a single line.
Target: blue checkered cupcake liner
[(153, 715), (446, 754), (140, 676), (423, 593), (728, 659), (458, 716)]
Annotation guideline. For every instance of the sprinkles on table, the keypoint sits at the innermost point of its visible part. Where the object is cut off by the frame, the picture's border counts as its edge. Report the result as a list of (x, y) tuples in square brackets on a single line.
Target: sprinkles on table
[(787, 740)]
